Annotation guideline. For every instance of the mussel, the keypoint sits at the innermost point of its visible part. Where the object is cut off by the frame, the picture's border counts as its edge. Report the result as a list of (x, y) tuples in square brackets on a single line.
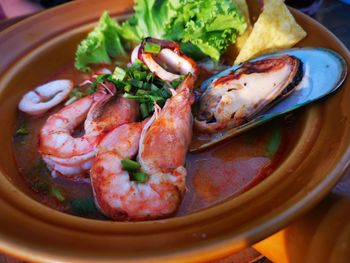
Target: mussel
[(233, 99), (245, 96)]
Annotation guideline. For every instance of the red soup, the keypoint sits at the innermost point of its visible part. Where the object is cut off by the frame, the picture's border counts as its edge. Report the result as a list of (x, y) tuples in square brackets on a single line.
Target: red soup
[(221, 172)]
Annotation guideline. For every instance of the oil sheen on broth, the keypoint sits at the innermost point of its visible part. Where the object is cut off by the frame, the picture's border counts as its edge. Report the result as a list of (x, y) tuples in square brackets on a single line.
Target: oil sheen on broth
[(214, 175)]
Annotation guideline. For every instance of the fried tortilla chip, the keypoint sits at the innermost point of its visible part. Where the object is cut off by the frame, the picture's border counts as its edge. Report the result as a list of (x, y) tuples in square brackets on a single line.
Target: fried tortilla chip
[(275, 29), (243, 7)]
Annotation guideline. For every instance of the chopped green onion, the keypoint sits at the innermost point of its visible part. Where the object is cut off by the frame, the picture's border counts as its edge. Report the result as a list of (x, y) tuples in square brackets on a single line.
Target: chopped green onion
[(100, 79), (56, 193), (154, 87), (130, 165), (90, 89), (143, 98), (147, 86), (274, 143), (71, 100), (166, 86), (119, 73), (150, 77), (74, 95), (140, 75), (175, 83), (140, 177), (22, 131), (141, 92), (127, 88), (150, 106), (144, 110), (40, 178), (136, 83), (85, 206), (159, 82), (164, 94), (137, 65), (152, 48)]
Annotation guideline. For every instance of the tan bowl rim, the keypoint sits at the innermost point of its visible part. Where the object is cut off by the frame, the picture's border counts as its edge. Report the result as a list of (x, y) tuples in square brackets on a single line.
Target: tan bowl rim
[(219, 248)]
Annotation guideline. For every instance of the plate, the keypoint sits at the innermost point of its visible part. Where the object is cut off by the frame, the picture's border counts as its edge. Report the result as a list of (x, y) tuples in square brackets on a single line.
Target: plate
[(35, 48)]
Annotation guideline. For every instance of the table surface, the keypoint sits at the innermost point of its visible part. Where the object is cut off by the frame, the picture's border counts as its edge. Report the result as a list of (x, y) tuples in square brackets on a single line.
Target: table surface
[(333, 14)]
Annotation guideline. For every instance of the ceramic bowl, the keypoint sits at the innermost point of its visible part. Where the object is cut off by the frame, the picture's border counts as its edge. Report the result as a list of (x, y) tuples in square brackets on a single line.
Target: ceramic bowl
[(35, 48)]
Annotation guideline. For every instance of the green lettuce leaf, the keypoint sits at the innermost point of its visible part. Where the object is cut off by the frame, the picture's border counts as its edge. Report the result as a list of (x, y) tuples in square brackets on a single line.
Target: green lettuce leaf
[(101, 44), (203, 27), (211, 25), (149, 19)]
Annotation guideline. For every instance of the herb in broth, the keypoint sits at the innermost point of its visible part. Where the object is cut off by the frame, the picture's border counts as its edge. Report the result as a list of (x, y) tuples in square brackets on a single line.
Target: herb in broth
[(84, 206), (20, 135), (75, 94), (22, 131), (57, 194), (40, 178), (274, 142)]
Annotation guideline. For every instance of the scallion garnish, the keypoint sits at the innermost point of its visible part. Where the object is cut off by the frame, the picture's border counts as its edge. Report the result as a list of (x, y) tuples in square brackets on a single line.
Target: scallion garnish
[(92, 88), (150, 77), (175, 83), (152, 48), (56, 193), (22, 131), (127, 88), (75, 94), (130, 165), (138, 65), (154, 87), (140, 177), (136, 83), (150, 106), (144, 110), (84, 206), (164, 93), (119, 73), (141, 92), (140, 75), (274, 142)]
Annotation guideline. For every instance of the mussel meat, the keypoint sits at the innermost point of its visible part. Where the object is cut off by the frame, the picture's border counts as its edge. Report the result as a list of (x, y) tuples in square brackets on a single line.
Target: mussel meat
[(245, 96), (239, 96)]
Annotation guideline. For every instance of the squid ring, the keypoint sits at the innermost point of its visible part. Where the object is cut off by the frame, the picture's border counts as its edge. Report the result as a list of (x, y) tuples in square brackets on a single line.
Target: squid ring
[(45, 97)]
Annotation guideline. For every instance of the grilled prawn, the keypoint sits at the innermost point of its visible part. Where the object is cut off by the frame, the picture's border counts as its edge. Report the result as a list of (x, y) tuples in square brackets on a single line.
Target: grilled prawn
[(161, 144), (72, 156)]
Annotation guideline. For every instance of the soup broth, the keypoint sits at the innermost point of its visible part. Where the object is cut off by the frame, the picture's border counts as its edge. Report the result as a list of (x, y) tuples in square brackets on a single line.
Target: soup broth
[(221, 172)]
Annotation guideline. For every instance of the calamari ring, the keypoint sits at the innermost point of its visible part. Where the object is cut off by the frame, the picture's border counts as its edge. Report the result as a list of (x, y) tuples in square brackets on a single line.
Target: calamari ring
[(45, 97)]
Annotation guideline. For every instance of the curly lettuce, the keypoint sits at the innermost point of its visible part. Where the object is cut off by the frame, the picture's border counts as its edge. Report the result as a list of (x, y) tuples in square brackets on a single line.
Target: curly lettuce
[(211, 25), (150, 19), (203, 27), (100, 45)]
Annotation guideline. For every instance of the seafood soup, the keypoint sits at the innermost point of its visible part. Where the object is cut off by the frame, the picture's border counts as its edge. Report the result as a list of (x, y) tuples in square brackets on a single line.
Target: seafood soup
[(221, 172), (111, 136)]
